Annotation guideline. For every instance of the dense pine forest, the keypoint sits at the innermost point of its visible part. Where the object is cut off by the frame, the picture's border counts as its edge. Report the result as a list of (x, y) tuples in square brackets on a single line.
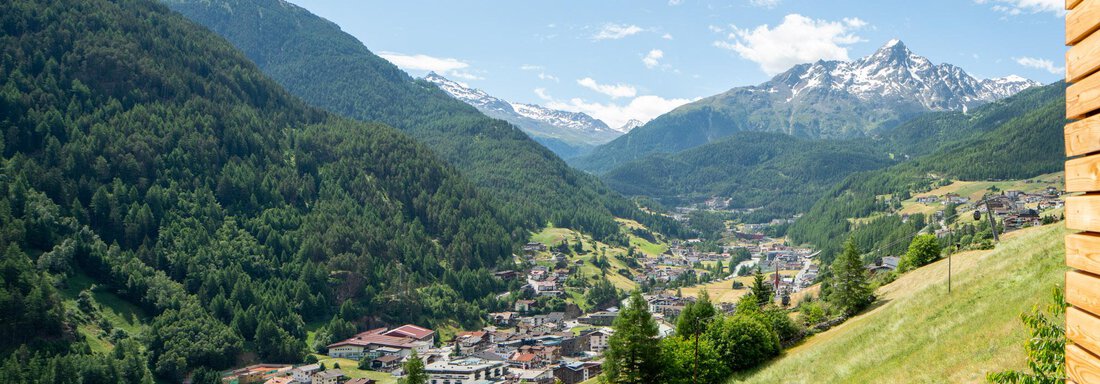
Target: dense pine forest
[(330, 69), (147, 153)]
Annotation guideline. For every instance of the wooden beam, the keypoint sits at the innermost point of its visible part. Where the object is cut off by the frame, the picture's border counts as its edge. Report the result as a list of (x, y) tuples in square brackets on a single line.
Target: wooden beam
[(1083, 136), (1083, 252), (1083, 291), (1083, 97), (1084, 20), (1083, 212), (1083, 174), (1084, 58), (1081, 328), (1082, 366), (1070, 4)]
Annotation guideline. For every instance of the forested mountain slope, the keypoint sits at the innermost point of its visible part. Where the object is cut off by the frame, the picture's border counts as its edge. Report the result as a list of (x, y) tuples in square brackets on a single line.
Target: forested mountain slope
[(148, 153), (1026, 141), (330, 69), (780, 174)]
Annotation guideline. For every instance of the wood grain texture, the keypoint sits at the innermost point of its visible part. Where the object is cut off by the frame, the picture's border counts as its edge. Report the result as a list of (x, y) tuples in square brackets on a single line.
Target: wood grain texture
[(1083, 59), (1083, 136), (1070, 4), (1083, 291), (1083, 174), (1082, 366), (1083, 252), (1083, 97), (1083, 212), (1084, 19), (1083, 329)]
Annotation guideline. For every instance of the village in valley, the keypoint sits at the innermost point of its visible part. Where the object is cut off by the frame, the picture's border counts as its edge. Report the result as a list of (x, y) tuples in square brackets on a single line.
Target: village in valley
[(558, 323)]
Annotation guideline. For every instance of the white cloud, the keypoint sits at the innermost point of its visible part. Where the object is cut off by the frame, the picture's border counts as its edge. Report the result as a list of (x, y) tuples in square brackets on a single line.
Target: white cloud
[(541, 93), (612, 31), (643, 108), (1017, 7), (764, 3), (531, 67), (716, 29), (675, 2), (667, 36), (652, 59), (443, 65), (798, 39), (615, 91), (1037, 63), (545, 76)]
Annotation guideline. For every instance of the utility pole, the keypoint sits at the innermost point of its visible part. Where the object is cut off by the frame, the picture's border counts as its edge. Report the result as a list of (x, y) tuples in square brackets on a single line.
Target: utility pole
[(695, 368), (992, 223)]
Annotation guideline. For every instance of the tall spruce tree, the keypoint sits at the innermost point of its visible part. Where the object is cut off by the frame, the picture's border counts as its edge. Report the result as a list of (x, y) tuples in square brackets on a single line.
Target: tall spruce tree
[(760, 288), (694, 318), (849, 289), (634, 353), (414, 370)]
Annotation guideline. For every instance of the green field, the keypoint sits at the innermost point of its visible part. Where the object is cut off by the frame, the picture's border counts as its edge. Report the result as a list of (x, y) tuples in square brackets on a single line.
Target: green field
[(351, 369), (120, 313), (918, 333)]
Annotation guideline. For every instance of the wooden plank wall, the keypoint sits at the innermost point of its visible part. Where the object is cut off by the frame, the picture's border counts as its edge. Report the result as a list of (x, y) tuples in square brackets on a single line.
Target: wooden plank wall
[(1083, 175)]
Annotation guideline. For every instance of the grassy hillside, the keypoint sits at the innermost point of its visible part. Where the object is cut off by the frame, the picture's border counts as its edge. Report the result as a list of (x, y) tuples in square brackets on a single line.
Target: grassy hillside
[(918, 333)]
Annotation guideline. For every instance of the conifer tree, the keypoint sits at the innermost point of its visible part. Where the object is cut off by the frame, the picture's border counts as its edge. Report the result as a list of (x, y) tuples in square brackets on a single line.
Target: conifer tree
[(849, 290), (634, 353)]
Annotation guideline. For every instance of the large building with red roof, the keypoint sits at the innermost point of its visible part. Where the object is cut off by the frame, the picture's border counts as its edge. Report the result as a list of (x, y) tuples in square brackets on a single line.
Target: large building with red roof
[(400, 341)]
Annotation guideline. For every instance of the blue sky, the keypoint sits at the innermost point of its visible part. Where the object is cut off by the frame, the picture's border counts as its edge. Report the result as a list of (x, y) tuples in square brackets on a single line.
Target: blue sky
[(621, 59)]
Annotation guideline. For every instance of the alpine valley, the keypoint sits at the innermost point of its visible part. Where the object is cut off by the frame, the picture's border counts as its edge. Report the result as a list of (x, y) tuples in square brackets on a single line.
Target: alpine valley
[(241, 191)]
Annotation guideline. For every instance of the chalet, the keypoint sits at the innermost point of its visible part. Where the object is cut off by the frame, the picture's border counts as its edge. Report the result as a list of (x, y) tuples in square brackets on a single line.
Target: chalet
[(927, 199), (524, 360), (304, 374), (524, 306), (472, 339), (573, 373), (534, 247), (598, 340), (331, 376), (506, 275), (276, 380), (385, 363), (504, 319)]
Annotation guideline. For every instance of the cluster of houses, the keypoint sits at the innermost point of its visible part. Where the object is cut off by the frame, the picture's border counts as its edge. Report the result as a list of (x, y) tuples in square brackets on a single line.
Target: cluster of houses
[(1016, 209)]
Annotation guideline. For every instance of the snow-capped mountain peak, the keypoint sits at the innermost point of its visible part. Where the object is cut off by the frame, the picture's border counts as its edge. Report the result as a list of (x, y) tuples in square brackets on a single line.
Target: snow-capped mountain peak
[(534, 119), (895, 74), (630, 125)]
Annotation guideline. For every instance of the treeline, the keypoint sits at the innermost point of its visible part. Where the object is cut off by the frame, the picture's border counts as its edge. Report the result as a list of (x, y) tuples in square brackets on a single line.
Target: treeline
[(147, 153), (330, 69)]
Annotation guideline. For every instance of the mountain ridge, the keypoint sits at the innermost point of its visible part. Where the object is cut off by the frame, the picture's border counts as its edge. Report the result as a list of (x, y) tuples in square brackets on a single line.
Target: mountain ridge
[(576, 129), (825, 99)]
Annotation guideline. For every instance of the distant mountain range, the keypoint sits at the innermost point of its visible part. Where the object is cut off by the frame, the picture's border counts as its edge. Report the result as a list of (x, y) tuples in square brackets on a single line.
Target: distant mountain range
[(565, 133), (825, 99)]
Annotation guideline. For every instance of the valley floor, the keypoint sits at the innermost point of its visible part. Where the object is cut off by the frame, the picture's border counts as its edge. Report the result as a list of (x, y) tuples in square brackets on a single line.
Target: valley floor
[(918, 333)]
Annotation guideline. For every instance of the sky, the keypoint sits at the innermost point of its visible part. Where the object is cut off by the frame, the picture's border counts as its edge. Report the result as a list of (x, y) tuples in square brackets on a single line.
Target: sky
[(618, 60)]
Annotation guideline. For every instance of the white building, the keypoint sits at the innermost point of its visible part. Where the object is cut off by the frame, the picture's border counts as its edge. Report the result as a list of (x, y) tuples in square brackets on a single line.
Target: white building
[(465, 371)]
